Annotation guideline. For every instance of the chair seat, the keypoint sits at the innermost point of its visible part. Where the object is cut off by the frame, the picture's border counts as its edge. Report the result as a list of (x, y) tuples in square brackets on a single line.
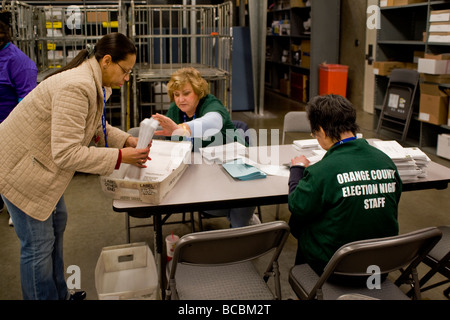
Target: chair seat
[(304, 276), (231, 282)]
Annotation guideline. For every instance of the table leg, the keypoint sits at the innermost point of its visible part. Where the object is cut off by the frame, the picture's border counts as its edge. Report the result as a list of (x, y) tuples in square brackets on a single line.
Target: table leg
[(127, 227), (157, 225)]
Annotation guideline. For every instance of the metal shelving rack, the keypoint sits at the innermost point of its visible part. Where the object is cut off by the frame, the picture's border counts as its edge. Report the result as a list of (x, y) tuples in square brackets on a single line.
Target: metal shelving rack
[(401, 33), (169, 37), (68, 28), (51, 35), (323, 35)]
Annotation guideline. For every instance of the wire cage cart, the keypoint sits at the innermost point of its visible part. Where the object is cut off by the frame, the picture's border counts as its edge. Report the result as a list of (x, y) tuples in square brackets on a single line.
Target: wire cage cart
[(52, 35), (169, 37), (66, 29), (22, 25)]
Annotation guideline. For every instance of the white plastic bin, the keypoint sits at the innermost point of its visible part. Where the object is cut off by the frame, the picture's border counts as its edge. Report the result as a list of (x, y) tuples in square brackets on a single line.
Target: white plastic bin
[(127, 272)]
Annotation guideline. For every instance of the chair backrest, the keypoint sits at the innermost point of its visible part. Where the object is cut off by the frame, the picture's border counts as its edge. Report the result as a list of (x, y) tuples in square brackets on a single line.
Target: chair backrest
[(228, 246), (295, 121), (404, 76), (389, 254)]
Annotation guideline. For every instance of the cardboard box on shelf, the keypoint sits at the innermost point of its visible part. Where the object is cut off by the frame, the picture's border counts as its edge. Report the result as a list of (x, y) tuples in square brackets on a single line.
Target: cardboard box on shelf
[(433, 66), (442, 56), (305, 48), (55, 55), (435, 78), (386, 3), (433, 106), (384, 68), (439, 15), (443, 146), (96, 16), (298, 3), (439, 37), (391, 3), (284, 87), (411, 65), (169, 161), (306, 60), (406, 2), (305, 45), (439, 26)]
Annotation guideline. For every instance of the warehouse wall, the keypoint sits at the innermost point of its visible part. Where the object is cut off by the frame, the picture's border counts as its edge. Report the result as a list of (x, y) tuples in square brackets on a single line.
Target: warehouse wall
[(352, 51)]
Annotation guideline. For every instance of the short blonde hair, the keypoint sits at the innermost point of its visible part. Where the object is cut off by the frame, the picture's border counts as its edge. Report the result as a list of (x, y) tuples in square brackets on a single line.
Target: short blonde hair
[(187, 75)]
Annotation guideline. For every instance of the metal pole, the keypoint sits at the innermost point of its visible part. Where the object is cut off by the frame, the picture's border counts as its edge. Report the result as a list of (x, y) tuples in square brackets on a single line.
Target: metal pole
[(258, 21)]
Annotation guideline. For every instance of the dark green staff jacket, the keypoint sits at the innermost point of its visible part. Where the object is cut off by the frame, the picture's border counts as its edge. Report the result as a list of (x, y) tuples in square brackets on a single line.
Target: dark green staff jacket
[(351, 194), (209, 104)]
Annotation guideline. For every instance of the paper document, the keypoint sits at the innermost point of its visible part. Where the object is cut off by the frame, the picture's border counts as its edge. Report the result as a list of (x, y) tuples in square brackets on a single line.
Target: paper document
[(242, 171), (271, 170), (223, 153), (166, 156), (393, 149), (306, 143)]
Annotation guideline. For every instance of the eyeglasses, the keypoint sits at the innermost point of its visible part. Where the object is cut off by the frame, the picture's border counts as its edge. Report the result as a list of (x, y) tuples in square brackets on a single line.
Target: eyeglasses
[(127, 73)]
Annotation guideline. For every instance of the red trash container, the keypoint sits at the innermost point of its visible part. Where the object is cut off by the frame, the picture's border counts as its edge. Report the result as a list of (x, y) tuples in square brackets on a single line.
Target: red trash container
[(333, 79)]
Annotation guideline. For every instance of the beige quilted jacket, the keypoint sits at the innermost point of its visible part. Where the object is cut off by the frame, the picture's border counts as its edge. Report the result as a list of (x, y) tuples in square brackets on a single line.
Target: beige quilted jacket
[(47, 138)]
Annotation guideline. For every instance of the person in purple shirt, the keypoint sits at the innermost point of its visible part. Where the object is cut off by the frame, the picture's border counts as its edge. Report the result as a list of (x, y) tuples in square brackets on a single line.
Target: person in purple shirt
[(18, 75)]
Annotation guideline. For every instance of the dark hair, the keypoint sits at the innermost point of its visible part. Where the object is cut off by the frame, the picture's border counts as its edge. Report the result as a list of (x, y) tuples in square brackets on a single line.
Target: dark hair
[(117, 45), (334, 113), (5, 36)]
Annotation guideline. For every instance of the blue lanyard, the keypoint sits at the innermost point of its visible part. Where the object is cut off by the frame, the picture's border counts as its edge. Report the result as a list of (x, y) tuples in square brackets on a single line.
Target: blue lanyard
[(345, 140), (104, 116)]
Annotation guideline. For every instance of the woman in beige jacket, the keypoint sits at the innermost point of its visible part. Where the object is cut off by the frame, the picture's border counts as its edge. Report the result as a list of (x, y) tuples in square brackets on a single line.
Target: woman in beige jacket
[(46, 139)]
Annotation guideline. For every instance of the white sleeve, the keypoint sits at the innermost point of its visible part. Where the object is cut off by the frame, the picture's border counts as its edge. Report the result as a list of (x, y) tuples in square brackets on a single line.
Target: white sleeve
[(206, 126)]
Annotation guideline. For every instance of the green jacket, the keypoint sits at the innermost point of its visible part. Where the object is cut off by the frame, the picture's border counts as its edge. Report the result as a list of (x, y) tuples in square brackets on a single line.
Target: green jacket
[(208, 104), (351, 194)]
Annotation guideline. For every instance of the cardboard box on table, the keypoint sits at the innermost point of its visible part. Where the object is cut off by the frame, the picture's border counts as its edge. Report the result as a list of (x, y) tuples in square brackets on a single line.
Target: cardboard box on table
[(169, 161)]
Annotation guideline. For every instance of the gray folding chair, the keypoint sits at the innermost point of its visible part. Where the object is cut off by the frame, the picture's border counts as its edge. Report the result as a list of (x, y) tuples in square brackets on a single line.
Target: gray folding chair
[(294, 121), (217, 264), (398, 102), (439, 262), (403, 252)]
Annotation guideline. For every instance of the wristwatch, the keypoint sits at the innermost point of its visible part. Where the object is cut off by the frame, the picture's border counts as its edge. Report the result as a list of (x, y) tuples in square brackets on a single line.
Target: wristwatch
[(299, 164)]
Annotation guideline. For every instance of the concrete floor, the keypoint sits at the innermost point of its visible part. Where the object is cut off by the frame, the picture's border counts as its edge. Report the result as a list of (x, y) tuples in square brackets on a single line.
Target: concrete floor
[(93, 224)]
